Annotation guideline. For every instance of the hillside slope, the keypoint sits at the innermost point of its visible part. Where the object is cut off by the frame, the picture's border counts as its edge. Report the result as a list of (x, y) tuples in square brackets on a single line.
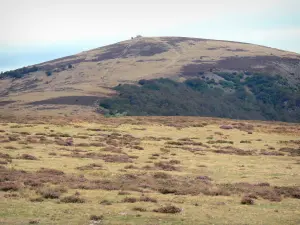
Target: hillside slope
[(73, 84)]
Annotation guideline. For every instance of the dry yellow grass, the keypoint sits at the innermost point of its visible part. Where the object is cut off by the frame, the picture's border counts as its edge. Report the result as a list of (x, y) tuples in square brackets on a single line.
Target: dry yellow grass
[(180, 150)]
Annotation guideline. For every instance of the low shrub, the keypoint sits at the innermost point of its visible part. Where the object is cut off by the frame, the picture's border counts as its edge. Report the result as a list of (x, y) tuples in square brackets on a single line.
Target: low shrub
[(50, 193), (168, 209), (106, 202), (96, 218), (245, 141), (37, 199), (28, 157), (9, 186), (161, 175), (174, 161), (147, 199), (9, 147), (51, 171), (72, 199), (164, 165), (246, 200), (140, 209), (130, 200), (123, 193), (166, 190)]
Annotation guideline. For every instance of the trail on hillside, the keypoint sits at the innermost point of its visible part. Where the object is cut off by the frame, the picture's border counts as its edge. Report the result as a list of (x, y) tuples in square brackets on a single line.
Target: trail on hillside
[(174, 60), (110, 71)]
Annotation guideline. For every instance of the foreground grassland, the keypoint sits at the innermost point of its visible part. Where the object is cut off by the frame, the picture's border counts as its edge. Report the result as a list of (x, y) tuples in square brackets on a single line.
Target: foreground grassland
[(154, 170)]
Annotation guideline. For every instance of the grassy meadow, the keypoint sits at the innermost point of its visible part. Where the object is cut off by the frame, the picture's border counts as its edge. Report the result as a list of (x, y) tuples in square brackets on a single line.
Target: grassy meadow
[(148, 170)]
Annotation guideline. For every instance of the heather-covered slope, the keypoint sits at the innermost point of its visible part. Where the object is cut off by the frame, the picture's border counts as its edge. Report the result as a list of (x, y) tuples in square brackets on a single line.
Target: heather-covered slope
[(61, 84)]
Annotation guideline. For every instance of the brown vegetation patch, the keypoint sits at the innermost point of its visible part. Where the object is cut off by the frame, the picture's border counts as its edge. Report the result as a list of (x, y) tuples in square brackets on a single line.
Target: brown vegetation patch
[(83, 144), (174, 161), (177, 40), (151, 138), (50, 193), (161, 175), (123, 193), (246, 200), (291, 151), (130, 200), (137, 147), (234, 151), (148, 199), (68, 100), (112, 149), (140, 209), (116, 158), (92, 166), (48, 171), (10, 147), (14, 137), (193, 150), (226, 127), (122, 158), (81, 136), (297, 142), (263, 190), (3, 103), (220, 142), (97, 144), (271, 153), (106, 202), (167, 166), (5, 156), (204, 178), (24, 133), (72, 199), (243, 126), (27, 157), (236, 50), (96, 218), (11, 195), (95, 129), (36, 199), (245, 142), (168, 209), (9, 186), (3, 162), (130, 167), (66, 142), (185, 141), (32, 139), (246, 63)]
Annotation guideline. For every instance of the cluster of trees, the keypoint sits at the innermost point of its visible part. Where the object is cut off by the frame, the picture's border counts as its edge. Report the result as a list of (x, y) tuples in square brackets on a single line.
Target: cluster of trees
[(259, 96), (19, 73)]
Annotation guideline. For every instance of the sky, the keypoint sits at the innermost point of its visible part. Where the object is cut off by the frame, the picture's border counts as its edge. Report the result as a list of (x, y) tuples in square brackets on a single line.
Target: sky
[(34, 31)]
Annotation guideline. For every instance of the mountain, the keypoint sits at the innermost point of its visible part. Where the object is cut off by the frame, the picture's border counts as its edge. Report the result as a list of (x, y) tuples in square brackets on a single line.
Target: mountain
[(201, 70)]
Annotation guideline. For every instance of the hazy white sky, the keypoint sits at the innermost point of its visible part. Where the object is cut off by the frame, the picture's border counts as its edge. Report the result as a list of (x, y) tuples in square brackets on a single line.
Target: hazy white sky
[(47, 29)]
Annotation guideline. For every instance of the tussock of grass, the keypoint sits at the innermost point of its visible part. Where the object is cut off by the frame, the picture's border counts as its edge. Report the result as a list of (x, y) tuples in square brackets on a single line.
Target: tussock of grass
[(28, 157), (247, 201), (168, 209), (139, 209), (96, 218), (72, 199)]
